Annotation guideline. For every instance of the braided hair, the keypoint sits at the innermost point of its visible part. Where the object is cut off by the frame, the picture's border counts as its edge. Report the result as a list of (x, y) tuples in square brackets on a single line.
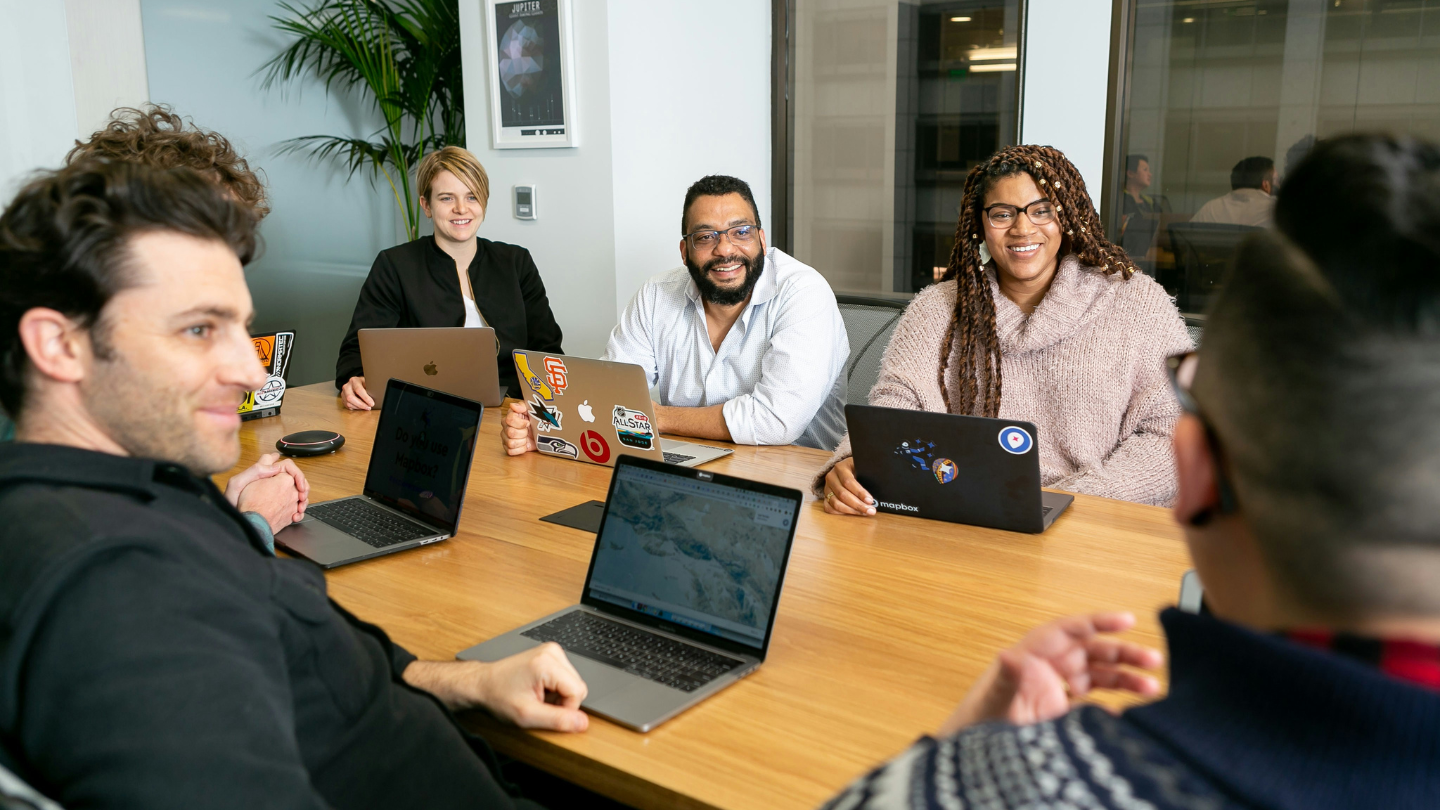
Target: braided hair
[(972, 325)]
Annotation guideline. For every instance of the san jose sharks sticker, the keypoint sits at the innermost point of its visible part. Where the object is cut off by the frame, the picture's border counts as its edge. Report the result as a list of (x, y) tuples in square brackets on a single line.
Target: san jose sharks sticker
[(556, 446), (1016, 440), (547, 417), (632, 428)]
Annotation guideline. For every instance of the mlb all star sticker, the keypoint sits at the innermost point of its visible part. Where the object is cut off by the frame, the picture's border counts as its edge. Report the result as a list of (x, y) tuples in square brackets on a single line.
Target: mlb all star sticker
[(1016, 440)]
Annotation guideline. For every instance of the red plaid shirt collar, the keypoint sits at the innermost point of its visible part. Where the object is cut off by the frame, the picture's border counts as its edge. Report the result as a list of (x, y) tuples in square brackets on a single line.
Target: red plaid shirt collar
[(1412, 661)]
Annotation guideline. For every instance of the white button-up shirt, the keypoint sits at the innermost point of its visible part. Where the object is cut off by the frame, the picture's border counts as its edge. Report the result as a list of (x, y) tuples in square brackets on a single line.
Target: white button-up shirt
[(779, 370)]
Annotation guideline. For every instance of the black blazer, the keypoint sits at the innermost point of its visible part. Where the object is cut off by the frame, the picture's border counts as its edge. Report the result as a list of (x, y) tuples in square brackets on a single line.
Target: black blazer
[(415, 285)]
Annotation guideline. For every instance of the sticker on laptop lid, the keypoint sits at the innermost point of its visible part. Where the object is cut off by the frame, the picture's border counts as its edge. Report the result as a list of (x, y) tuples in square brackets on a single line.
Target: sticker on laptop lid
[(556, 446), (918, 452), (547, 416), (595, 447), (273, 350), (555, 374), (632, 428), (1016, 440), (539, 386), (944, 470)]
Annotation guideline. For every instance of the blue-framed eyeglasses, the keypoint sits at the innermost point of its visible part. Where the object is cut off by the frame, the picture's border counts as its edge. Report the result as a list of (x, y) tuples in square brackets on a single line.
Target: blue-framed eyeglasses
[(1181, 369), (738, 235)]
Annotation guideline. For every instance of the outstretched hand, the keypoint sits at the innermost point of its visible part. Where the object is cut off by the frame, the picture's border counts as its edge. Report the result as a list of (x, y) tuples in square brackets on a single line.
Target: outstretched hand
[(1036, 679)]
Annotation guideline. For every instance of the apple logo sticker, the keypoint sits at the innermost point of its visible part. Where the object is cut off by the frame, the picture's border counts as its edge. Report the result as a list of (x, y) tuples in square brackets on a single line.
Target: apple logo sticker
[(430, 369), (587, 413)]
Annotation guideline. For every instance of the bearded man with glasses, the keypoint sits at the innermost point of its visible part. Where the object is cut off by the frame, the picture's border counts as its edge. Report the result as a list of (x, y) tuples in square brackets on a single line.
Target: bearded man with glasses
[(1308, 459), (744, 343)]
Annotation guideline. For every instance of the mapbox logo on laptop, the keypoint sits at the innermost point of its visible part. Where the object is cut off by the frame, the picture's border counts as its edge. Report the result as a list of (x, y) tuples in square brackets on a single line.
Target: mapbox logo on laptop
[(904, 507)]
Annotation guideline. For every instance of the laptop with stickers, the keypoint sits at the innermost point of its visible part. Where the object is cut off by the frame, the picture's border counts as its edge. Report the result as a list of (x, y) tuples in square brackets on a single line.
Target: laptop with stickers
[(961, 469), (458, 360), (273, 350), (596, 411), (681, 596)]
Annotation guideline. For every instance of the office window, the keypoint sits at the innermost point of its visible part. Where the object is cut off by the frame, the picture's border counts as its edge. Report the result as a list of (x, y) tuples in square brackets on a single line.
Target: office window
[(890, 104), (1218, 94)]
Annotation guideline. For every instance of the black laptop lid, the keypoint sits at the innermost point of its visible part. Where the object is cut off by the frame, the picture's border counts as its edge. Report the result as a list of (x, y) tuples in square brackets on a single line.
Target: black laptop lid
[(420, 463), (694, 553), (963, 469)]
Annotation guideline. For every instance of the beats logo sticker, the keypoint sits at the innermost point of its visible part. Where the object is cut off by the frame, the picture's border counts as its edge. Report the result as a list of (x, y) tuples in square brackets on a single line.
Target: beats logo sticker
[(594, 447)]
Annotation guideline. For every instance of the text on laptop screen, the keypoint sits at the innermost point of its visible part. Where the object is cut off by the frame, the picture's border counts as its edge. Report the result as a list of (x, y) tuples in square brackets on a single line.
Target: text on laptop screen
[(699, 554), (422, 453)]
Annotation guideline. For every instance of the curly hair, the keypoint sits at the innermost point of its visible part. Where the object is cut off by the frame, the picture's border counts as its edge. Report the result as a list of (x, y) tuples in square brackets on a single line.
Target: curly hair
[(155, 136), (972, 336)]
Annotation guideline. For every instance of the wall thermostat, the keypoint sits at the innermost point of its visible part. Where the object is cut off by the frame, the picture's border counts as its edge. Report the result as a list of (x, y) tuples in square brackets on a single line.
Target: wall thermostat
[(525, 202)]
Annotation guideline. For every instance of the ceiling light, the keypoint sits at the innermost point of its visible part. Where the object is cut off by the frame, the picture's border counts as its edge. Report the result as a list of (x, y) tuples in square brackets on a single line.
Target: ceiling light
[(959, 19), (993, 67), (1188, 20), (987, 54)]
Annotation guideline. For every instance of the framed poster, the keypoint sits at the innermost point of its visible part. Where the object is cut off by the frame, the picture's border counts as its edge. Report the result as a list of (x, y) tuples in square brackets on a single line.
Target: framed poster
[(531, 66)]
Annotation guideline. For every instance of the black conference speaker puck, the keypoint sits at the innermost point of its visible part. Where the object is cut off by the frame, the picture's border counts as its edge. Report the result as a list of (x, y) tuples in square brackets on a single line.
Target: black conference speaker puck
[(310, 443)]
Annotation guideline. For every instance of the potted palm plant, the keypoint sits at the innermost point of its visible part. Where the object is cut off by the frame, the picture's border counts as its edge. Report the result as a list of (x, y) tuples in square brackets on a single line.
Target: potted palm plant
[(404, 57)]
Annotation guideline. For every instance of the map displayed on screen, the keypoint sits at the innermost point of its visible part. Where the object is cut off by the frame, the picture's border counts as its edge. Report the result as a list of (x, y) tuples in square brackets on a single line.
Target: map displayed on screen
[(703, 555)]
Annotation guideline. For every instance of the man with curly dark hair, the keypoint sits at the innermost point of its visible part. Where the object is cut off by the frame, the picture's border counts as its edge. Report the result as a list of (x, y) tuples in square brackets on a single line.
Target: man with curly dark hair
[(155, 136)]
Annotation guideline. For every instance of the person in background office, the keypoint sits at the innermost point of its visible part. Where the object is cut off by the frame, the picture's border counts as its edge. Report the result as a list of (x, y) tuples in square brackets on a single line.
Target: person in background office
[(1037, 297), (453, 278), (1315, 680), (1140, 212), (744, 343), (1250, 201), (155, 653), (155, 136)]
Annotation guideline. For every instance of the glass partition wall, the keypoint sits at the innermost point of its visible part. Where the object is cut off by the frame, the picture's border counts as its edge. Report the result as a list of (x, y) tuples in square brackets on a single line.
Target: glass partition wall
[(1220, 98), (890, 104)]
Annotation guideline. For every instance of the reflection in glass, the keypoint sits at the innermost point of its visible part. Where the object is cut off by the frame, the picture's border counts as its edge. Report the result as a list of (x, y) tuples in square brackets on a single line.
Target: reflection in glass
[(894, 102), (1222, 98)]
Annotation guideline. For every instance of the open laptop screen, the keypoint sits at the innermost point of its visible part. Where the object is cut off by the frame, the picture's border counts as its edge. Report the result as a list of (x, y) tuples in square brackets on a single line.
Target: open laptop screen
[(704, 555), (423, 449)]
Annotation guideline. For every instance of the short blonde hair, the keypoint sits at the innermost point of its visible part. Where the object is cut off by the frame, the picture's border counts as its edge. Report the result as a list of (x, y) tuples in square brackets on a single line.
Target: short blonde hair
[(458, 161)]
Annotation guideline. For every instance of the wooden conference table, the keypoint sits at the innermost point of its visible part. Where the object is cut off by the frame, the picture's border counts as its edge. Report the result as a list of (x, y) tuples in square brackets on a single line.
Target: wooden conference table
[(883, 624)]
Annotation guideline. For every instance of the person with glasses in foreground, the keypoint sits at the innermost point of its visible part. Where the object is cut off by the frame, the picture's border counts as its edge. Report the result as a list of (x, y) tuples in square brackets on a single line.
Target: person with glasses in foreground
[(1308, 460), (1037, 298), (744, 343)]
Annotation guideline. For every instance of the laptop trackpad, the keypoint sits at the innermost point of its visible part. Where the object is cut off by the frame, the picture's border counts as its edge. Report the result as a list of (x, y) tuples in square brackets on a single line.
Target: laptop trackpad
[(599, 678)]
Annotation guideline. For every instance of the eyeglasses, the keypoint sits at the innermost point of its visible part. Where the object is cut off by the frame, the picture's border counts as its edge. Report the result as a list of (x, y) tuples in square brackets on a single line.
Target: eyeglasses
[(707, 240), (1040, 212), (1181, 368)]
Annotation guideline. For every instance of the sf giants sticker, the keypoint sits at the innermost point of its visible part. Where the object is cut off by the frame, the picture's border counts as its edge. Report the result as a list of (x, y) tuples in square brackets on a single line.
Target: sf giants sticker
[(1016, 440), (555, 374), (539, 386), (556, 446), (632, 428), (594, 447), (547, 417)]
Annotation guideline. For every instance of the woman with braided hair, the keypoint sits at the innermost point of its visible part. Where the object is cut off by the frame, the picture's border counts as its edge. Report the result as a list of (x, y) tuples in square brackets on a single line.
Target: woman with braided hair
[(1038, 305)]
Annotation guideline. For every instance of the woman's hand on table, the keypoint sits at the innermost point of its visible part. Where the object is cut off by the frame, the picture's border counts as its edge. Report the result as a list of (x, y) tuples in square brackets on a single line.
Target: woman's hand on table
[(843, 493)]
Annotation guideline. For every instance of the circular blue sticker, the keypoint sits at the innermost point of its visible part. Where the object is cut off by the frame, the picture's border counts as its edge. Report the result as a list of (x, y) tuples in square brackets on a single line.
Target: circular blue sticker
[(1016, 440)]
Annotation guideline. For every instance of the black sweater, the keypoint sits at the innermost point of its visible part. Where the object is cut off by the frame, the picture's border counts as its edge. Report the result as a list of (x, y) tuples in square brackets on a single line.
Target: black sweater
[(152, 654), (1251, 720), (415, 285)]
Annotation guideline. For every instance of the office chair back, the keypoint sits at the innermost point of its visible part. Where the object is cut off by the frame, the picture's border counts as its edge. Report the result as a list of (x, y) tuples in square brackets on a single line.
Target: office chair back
[(868, 323)]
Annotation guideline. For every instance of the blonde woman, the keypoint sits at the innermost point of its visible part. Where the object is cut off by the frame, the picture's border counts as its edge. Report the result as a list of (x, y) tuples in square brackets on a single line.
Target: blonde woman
[(453, 278)]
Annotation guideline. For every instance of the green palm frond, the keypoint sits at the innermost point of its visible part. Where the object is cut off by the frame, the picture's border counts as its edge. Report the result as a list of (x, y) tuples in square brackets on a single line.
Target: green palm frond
[(403, 56)]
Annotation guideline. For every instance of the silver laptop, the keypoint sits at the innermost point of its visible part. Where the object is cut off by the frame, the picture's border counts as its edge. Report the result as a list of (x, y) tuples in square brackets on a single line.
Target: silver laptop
[(598, 411), (414, 489), (681, 596), (457, 360)]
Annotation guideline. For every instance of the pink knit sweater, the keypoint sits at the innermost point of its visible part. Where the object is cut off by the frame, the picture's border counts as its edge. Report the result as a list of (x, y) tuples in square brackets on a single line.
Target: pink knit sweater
[(1087, 367)]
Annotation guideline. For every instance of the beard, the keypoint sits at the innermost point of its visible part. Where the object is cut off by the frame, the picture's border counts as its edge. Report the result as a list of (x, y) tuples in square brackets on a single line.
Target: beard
[(140, 408), (727, 296)]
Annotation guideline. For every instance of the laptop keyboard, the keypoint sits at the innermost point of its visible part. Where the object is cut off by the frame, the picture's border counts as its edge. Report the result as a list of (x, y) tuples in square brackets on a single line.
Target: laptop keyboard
[(677, 458), (656, 658), (368, 523)]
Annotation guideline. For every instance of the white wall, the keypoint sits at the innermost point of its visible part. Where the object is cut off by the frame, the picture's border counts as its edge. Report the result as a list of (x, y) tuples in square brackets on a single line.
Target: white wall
[(37, 96), (1067, 77), (107, 58), (610, 208)]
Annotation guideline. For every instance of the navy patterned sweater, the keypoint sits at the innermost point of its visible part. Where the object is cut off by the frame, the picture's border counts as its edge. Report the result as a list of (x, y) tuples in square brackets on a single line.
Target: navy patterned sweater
[(1251, 720)]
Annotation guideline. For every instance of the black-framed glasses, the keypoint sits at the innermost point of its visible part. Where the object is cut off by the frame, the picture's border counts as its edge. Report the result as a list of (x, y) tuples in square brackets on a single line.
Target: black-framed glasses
[(1181, 368), (738, 235), (1001, 215)]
